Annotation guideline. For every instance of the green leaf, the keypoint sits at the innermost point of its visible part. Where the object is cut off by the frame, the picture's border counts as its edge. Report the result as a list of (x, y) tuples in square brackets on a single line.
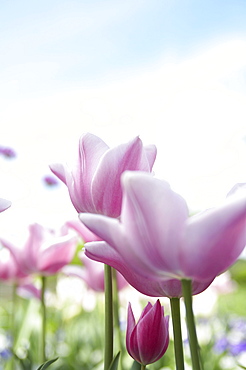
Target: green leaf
[(136, 366), (47, 364), (115, 362)]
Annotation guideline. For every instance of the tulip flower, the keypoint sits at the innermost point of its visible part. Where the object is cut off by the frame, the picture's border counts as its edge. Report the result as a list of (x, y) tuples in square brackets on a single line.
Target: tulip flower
[(44, 253), (10, 270), (94, 183), (4, 204), (157, 239), (147, 341)]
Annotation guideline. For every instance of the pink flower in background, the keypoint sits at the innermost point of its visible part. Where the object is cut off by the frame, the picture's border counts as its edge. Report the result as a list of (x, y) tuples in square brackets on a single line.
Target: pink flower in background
[(148, 340), (102, 252), (92, 273), (11, 272), (94, 183), (44, 252), (4, 204), (50, 181), (7, 152), (157, 239)]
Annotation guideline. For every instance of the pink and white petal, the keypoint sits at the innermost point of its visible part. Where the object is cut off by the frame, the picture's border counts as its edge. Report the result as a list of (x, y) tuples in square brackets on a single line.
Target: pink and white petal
[(106, 186), (103, 252), (106, 228), (4, 204), (150, 152), (57, 255), (153, 217), (214, 240), (82, 230), (59, 170)]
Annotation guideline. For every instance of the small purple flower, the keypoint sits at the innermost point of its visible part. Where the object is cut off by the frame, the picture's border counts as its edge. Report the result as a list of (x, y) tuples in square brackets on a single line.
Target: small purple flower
[(50, 181), (238, 348), (221, 345), (5, 354), (7, 152)]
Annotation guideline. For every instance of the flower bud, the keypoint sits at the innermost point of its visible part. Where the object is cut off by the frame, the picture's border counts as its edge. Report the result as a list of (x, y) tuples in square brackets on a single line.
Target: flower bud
[(147, 341)]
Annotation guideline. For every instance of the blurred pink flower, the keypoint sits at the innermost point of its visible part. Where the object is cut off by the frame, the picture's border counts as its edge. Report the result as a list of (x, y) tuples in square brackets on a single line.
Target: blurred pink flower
[(9, 268), (11, 272), (157, 239), (92, 273), (148, 340), (7, 152), (50, 181), (44, 252), (94, 183), (4, 204)]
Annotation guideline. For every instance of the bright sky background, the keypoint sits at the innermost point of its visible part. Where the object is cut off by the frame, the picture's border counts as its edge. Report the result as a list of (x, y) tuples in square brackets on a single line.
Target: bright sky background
[(171, 71)]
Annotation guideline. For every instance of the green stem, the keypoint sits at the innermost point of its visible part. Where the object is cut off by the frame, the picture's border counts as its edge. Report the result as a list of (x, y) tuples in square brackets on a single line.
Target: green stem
[(13, 322), (191, 327), (108, 352), (44, 318), (117, 316), (143, 367), (177, 333)]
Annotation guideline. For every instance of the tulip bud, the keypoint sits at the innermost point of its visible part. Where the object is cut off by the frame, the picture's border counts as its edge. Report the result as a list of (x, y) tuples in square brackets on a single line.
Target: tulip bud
[(147, 341)]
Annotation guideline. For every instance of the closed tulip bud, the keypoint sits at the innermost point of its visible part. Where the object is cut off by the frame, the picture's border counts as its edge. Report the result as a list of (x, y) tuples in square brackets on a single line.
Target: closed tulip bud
[(147, 341)]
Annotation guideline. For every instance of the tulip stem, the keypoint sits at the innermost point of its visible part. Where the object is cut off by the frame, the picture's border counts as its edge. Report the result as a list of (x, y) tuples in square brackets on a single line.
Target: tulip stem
[(177, 333), (191, 327), (108, 351), (116, 315), (143, 367), (44, 318)]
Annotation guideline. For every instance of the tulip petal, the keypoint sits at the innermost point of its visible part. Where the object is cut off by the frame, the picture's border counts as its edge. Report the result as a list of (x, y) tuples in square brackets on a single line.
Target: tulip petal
[(151, 330), (150, 152), (82, 230), (4, 204), (214, 239), (114, 162), (55, 256), (59, 170), (103, 252), (154, 218)]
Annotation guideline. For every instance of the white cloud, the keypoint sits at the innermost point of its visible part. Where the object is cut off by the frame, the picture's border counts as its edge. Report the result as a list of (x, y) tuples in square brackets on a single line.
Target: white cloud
[(187, 108)]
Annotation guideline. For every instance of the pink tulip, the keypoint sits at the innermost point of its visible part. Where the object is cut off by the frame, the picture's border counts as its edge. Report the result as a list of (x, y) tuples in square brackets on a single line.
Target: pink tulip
[(147, 341), (11, 272), (92, 273), (9, 268), (171, 288), (44, 253), (94, 183), (4, 204), (157, 239)]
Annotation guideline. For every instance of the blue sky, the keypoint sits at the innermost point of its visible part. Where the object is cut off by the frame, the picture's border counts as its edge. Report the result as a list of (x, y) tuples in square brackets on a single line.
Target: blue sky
[(171, 71), (55, 44)]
